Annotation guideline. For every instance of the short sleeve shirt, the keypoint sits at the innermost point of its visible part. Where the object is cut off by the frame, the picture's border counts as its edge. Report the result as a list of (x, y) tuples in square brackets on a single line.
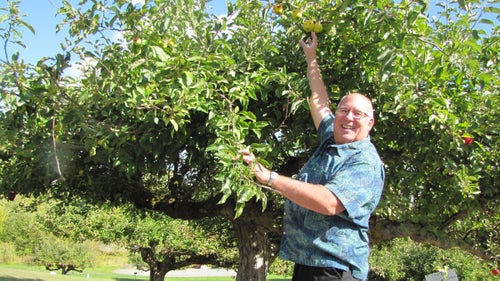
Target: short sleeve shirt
[(354, 173)]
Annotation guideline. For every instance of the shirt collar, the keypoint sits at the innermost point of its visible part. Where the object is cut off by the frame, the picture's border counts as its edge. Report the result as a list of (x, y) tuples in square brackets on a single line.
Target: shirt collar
[(350, 147)]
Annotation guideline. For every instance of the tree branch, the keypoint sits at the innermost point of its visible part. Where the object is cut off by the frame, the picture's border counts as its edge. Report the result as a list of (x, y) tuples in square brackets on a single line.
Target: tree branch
[(385, 230)]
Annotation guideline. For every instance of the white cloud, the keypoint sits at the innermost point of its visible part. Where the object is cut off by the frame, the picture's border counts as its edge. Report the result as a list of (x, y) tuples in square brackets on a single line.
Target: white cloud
[(78, 68), (135, 2)]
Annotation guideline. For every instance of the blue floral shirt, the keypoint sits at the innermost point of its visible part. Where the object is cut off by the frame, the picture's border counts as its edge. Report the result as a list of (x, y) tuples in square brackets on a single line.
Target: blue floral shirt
[(355, 174)]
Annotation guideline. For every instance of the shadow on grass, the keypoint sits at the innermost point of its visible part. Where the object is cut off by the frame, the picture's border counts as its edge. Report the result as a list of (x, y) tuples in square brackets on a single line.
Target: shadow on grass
[(9, 278)]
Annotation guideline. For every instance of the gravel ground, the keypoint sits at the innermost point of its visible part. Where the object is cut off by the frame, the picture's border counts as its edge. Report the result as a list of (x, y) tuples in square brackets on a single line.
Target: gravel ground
[(190, 272)]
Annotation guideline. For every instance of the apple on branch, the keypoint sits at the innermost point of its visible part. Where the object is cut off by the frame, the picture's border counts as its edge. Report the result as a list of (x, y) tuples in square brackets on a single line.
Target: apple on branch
[(467, 140), (278, 9)]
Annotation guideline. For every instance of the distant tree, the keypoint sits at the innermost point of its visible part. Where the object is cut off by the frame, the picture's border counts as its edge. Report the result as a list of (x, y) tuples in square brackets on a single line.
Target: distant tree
[(62, 254)]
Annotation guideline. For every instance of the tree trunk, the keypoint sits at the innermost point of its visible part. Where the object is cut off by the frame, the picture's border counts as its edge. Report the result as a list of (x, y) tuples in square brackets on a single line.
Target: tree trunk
[(256, 249), (157, 274), (157, 269), (258, 232)]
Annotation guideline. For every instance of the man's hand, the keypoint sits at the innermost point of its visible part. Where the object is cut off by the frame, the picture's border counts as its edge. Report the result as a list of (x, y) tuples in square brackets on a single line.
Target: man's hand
[(309, 47), (261, 173)]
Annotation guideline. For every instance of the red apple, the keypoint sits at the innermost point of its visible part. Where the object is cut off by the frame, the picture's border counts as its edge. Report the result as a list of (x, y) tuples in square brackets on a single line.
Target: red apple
[(467, 140), (495, 271), (12, 195)]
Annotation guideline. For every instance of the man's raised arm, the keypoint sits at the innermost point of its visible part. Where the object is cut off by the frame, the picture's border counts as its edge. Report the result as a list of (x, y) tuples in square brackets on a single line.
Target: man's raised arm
[(318, 101)]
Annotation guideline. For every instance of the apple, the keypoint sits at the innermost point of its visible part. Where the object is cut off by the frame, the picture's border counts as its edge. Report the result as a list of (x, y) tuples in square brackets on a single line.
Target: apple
[(467, 140), (308, 25), (318, 27), (168, 45), (297, 14), (495, 271), (138, 40), (278, 9), (12, 195)]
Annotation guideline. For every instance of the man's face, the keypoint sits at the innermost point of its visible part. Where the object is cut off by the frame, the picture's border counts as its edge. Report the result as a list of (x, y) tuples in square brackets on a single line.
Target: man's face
[(353, 119)]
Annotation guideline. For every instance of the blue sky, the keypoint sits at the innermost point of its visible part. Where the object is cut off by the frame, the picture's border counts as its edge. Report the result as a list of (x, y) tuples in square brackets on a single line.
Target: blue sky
[(41, 14)]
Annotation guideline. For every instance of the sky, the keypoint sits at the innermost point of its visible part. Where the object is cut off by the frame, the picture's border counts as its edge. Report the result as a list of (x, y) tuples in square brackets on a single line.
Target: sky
[(41, 15)]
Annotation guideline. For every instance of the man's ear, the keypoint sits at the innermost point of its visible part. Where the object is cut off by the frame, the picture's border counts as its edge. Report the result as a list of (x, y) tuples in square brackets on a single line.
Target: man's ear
[(371, 122)]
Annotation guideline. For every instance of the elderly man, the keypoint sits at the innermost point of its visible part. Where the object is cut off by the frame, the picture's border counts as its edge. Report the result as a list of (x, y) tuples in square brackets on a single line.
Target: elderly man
[(329, 205)]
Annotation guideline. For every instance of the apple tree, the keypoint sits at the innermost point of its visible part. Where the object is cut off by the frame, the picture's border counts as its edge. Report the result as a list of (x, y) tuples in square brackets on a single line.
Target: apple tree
[(169, 92), (122, 127)]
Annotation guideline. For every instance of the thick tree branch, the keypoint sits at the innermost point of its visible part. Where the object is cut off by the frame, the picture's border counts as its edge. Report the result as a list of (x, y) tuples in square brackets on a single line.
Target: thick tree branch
[(189, 210), (457, 216), (385, 230)]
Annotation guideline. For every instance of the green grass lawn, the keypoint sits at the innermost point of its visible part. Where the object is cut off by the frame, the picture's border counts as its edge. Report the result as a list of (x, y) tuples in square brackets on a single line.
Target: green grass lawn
[(14, 272), (36, 273)]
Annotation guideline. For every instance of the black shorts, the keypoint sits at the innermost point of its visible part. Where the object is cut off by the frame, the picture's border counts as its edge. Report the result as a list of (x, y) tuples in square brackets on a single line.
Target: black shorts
[(311, 273)]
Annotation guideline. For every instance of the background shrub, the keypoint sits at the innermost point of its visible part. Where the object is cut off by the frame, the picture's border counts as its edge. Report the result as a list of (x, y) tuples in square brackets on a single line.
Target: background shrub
[(16, 222), (7, 253), (403, 259), (281, 267)]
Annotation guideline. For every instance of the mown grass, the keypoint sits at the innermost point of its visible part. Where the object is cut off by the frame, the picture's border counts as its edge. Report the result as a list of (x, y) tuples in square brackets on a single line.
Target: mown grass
[(16, 272), (34, 273)]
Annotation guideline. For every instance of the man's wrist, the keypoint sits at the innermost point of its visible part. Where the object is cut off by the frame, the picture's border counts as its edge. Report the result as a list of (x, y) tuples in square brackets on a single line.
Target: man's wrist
[(312, 62), (272, 177)]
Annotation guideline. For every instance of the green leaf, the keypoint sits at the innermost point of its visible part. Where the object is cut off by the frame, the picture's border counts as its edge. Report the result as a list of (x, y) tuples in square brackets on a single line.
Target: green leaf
[(226, 191), (3, 17), (174, 124), (487, 21), (28, 26), (160, 53), (239, 210), (188, 78)]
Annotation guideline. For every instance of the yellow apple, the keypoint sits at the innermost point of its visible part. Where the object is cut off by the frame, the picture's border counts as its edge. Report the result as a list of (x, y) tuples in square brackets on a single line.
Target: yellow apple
[(278, 9), (297, 14), (308, 25), (318, 27), (168, 44)]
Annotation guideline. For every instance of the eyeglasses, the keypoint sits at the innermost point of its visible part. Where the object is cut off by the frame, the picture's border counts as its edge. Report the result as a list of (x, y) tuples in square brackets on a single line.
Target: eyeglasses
[(356, 114)]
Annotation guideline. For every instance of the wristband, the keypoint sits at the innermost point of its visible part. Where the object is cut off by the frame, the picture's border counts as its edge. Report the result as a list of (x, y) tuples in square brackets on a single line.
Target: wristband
[(272, 177)]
